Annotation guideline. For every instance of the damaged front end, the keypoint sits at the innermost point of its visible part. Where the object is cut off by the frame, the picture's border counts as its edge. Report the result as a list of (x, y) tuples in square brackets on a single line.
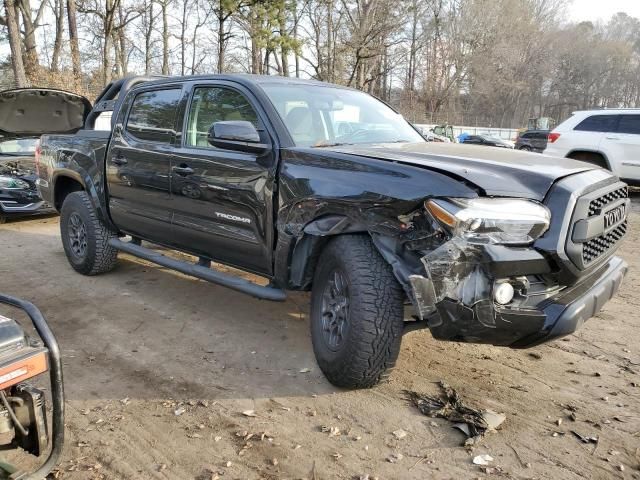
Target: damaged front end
[(487, 283)]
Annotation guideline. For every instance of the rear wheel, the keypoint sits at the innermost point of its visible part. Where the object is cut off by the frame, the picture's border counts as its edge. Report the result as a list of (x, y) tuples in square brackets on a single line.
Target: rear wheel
[(356, 313), (525, 148), (84, 237)]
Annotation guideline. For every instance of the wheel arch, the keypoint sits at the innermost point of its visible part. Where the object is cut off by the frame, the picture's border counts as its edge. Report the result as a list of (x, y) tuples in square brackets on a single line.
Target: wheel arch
[(67, 181), (306, 250), (64, 184), (590, 152)]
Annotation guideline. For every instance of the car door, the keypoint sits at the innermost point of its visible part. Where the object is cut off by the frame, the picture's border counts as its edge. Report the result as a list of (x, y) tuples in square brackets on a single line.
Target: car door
[(588, 134), (222, 199), (138, 164), (623, 147)]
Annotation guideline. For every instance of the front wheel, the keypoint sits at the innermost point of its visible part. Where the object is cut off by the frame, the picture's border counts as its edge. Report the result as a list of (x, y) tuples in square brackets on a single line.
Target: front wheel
[(356, 313), (84, 237)]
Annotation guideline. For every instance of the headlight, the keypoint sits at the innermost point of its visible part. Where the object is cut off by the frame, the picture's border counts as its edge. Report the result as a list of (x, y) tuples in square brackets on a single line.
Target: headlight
[(10, 183), (492, 220)]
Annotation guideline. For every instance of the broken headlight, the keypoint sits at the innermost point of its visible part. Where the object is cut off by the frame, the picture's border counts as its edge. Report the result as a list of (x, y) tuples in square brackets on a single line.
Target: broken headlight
[(10, 183), (508, 221)]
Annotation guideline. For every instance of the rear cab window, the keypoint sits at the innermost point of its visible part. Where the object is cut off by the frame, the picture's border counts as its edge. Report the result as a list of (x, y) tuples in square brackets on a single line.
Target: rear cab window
[(152, 115), (598, 123)]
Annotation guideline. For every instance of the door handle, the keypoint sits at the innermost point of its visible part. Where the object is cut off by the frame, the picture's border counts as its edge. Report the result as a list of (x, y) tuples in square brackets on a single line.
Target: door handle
[(612, 137), (183, 170), (119, 160)]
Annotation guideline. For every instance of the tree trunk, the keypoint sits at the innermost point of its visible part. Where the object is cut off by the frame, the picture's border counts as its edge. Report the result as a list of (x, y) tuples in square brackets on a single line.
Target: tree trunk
[(14, 43), (221, 38), (57, 45), (165, 39), (73, 37), (295, 38), (121, 38), (30, 58), (147, 39), (183, 37)]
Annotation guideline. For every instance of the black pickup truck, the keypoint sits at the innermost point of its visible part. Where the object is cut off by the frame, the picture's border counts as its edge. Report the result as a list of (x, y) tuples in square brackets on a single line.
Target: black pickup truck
[(324, 188)]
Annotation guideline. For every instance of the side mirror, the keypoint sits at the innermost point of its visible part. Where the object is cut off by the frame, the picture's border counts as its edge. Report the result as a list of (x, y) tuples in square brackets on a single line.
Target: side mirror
[(237, 135)]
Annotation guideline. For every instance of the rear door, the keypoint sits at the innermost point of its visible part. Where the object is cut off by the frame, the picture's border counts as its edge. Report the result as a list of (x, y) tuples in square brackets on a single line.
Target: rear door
[(623, 147), (138, 163), (223, 199)]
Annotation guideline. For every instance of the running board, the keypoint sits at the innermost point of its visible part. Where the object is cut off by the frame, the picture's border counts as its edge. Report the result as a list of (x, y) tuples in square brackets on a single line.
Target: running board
[(201, 272)]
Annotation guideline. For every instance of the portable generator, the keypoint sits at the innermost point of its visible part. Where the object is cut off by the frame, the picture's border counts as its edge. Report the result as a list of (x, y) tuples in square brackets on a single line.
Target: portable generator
[(23, 407)]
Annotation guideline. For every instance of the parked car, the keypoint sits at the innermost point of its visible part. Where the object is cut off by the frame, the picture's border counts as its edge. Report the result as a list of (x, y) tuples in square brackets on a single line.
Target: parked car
[(25, 114), (487, 140), (431, 136), (607, 138), (532, 141), (484, 245)]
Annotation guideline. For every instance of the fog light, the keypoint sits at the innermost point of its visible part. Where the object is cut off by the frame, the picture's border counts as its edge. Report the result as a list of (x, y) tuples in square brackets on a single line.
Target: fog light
[(503, 293)]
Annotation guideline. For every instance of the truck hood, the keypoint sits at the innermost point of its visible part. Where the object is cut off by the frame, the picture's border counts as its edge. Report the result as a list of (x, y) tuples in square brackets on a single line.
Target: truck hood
[(497, 171), (36, 111)]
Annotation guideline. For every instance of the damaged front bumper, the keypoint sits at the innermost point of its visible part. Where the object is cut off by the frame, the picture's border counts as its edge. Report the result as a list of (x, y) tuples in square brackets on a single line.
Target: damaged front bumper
[(456, 296), (23, 203)]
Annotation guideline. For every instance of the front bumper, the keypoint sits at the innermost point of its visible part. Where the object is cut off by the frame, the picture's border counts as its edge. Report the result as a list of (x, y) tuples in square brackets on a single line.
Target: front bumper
[(569, 310), (456, 296), (23, 203)]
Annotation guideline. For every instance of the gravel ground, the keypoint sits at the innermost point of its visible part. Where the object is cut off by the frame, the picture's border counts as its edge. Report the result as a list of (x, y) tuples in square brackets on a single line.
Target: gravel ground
[(159, 369)]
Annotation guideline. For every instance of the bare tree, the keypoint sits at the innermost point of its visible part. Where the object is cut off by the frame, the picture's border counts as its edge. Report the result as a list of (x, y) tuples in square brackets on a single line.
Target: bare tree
[(11, 21), (73, 36)]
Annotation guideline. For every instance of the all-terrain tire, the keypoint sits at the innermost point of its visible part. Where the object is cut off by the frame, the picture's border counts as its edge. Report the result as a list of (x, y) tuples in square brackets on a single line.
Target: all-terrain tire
[(370, 344), (87, 250)]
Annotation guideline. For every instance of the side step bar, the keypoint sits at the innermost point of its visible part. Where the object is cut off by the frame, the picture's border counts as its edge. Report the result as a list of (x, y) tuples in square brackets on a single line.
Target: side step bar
[(201, 272)]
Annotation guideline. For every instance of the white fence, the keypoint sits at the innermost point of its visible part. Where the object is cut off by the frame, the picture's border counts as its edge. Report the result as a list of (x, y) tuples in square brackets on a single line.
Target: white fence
[(506, 133)]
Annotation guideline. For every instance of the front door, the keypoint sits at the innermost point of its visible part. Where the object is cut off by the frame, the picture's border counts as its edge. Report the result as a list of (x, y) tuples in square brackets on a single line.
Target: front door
[(223, 199), (139, 162)]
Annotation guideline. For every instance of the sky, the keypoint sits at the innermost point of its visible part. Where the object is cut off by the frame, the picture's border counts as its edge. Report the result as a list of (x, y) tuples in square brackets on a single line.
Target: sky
[(594, 10)]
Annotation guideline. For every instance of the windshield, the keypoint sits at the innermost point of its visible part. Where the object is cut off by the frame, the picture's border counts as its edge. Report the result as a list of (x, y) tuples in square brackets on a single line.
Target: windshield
[(318, 116), (18, 146)]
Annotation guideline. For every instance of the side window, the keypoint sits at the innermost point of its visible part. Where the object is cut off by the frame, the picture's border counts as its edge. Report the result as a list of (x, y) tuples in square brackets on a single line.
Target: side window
[(629, 124), (597, 123), (215, 104), (153, 114)]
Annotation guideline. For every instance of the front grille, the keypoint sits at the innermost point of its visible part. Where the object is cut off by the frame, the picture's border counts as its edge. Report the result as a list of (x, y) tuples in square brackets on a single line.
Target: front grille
[(598, 246), (590, 241), (595, 206)]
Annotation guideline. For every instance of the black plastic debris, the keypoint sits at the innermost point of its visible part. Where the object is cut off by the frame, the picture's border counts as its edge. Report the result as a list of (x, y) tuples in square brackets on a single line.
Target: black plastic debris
[(472, 422)]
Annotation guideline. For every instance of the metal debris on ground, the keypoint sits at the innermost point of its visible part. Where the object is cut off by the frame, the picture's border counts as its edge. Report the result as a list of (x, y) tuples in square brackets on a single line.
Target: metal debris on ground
[(472, 422), (584, 439)]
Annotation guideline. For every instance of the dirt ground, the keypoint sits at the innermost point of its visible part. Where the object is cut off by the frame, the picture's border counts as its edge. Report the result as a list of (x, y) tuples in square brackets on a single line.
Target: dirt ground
[(159, 368)]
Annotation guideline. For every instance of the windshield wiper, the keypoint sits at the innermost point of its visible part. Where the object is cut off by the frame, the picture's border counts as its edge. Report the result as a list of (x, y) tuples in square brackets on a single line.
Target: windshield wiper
[(337, 144)]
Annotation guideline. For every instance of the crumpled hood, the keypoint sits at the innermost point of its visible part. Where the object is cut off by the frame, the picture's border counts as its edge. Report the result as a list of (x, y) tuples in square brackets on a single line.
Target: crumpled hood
[(36, 111), (19, 167), (497, 171)]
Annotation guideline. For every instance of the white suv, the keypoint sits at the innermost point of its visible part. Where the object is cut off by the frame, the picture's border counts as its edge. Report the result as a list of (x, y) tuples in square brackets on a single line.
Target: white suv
[(608, 138)]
